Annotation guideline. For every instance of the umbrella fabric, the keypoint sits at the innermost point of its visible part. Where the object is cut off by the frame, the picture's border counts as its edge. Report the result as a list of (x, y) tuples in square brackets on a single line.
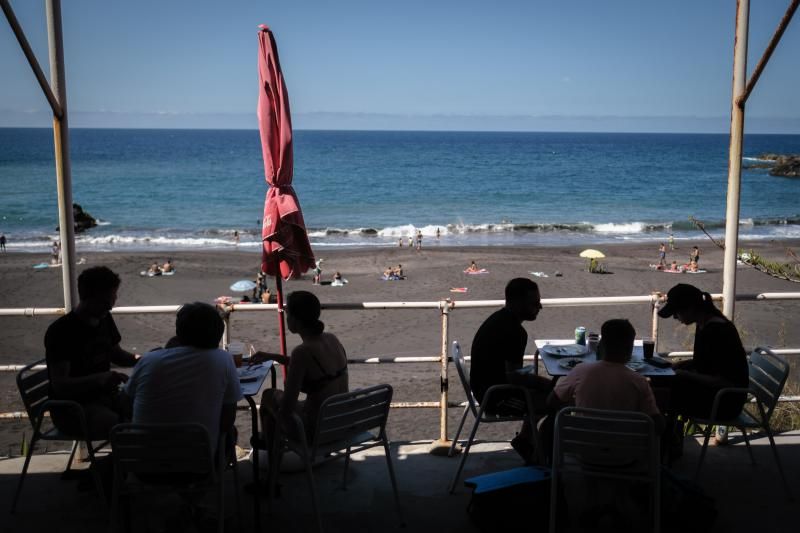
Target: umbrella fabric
[(286, 250), (592, 254), (243, 285)]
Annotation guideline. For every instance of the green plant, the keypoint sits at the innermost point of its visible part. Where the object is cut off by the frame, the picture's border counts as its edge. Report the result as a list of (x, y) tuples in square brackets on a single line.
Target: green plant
[(787, 271), (786, 416)]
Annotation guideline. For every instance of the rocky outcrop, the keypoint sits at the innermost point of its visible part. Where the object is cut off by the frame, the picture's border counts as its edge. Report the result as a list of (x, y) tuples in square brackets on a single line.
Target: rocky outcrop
[(83, 220), (787, 166)]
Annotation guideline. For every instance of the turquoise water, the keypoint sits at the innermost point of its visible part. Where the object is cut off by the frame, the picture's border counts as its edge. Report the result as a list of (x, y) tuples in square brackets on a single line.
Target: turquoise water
[(179, 189)]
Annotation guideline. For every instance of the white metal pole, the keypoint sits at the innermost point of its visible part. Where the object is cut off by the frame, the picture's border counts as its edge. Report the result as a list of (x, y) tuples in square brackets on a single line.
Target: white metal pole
[(735, 157), (61, 141)]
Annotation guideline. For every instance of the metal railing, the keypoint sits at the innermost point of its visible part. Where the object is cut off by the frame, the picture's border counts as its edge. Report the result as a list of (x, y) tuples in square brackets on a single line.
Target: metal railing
[(446, 309)]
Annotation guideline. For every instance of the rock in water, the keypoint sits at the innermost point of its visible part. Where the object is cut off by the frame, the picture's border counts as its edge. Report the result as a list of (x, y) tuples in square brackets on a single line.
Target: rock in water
[(83, 220), (787, 166)]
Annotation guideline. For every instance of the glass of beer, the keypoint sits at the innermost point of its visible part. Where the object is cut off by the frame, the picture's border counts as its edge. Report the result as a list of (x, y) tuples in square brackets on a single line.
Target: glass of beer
[(648, 347)]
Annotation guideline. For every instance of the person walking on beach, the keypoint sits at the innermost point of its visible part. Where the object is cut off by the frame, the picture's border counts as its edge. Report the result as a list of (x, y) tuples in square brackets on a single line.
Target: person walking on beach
[(497, 352), (662, 256), (55, 253), (317, 272), (236, 237), (671, 242), (80, 348), (2, 242), (438, 234), (419, 240)]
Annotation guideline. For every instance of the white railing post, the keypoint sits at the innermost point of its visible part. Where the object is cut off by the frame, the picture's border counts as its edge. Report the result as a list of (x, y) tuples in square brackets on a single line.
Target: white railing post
[(441, 446)]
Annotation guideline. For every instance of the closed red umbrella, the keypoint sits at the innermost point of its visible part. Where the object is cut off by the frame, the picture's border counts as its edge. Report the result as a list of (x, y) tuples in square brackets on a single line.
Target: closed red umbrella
[(286, 252)]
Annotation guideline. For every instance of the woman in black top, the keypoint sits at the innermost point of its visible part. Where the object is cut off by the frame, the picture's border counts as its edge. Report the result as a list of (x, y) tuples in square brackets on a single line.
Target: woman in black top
[(318, 367), (719, 359)]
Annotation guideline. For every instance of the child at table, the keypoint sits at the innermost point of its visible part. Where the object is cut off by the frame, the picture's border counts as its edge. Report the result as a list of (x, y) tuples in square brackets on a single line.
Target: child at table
[(608, 383)]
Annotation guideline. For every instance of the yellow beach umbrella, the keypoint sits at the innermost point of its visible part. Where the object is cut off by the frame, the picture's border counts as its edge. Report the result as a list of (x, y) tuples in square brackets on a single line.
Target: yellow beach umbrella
[(592, 254)]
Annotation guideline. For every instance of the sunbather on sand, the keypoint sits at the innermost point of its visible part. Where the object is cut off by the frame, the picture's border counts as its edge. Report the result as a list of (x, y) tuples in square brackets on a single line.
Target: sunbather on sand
[(472, 267)]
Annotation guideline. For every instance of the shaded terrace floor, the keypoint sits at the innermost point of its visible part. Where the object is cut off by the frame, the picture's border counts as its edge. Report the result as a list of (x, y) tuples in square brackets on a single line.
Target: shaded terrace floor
[(749, 498)]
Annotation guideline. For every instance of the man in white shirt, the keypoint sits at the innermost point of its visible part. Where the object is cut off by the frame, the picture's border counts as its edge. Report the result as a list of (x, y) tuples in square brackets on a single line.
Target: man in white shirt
[(190, 381)]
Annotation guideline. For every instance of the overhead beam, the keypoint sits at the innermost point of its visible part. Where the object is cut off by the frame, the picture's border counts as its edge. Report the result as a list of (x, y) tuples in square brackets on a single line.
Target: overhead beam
[(31, 57)]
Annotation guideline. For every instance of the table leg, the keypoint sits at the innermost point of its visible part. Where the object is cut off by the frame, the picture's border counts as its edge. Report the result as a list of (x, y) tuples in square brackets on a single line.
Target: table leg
[(254, 461)]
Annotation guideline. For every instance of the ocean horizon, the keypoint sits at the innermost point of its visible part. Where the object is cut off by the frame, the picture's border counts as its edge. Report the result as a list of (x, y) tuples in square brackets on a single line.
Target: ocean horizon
[(165, 190)]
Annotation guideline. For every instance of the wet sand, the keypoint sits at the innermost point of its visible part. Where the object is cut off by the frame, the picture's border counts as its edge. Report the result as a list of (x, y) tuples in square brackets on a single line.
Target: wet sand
[(430, 274)]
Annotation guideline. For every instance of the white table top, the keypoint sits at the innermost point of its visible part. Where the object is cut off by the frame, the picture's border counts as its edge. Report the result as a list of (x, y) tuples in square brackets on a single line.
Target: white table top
[(254, 377), (551, 363)]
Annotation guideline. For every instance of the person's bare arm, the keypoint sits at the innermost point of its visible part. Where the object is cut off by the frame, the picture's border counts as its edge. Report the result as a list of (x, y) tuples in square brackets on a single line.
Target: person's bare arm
[(69, 387), (124, 358), (260, 357), (294, 380)]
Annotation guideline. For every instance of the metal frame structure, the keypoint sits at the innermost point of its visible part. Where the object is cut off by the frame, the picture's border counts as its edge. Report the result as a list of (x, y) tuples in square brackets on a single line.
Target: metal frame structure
[(56, 94), (740, 93)]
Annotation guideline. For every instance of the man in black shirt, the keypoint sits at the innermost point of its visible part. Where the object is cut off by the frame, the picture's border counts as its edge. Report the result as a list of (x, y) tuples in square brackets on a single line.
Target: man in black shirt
[(80, 348), (497, 351)]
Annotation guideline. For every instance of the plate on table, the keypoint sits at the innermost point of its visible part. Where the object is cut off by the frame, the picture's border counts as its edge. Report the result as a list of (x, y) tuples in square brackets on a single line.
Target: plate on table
[(570, 363), (636, 366), (564, 350)]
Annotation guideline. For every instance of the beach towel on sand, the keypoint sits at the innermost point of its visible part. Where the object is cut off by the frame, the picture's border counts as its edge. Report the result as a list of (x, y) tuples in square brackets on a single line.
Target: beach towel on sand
[(458, 289), (481, 271)]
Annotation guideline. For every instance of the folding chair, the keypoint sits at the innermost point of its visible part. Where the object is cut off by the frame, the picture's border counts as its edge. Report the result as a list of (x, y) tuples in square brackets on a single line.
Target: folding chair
[(34, 388), (167, 458), (606, 444), (347, 423), (768, 374), (478, 411)]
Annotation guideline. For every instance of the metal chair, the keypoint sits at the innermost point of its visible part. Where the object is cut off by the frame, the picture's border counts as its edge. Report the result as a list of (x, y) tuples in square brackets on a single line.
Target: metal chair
[(167, 458), (33, 382), (478, 411), (347, 423), (606, 444), (768, 374)]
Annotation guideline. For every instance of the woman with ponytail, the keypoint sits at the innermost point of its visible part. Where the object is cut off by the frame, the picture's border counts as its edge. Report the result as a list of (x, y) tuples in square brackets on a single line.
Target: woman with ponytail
[(317, 367), (719, 359)]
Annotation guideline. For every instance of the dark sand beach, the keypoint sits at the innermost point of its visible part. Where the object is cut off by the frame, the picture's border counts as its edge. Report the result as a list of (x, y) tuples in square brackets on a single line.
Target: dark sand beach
[(430, 274)]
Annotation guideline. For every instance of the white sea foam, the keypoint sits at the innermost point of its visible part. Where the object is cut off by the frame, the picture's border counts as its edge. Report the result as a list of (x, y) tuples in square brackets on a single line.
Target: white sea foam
[(405, 230), (610, 227)]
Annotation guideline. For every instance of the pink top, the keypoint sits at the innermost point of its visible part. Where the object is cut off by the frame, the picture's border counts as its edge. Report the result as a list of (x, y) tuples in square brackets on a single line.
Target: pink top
[(606, 385)]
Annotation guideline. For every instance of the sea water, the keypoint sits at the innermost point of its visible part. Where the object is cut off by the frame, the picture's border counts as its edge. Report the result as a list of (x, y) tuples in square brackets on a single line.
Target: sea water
[(191, 189)]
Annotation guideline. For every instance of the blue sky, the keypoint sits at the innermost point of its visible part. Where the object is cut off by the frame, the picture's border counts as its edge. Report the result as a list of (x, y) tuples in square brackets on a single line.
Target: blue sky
[(574, 65)]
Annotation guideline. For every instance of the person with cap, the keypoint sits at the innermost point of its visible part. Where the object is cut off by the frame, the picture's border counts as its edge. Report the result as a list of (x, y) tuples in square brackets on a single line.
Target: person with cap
[(719, 360), (317, 367)]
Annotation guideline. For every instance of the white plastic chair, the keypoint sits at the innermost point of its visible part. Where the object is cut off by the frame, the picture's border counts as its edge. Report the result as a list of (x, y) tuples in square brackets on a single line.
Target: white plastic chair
[(347, 423), (34, 389), (167, 458), (606, 444), (478, 411), (768, 374)]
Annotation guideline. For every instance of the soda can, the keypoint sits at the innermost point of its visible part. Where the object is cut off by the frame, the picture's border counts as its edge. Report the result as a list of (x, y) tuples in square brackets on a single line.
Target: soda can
[(580, 335)]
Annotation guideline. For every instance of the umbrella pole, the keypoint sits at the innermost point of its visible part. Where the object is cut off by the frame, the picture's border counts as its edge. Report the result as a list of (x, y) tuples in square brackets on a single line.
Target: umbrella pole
[(281, 321)]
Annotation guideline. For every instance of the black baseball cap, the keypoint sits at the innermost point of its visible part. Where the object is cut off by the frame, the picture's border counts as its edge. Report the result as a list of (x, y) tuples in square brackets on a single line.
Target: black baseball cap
[(681, 296)]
